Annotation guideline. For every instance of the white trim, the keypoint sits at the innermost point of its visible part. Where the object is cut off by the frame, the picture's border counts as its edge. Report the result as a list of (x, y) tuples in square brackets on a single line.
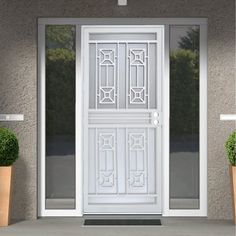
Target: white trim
[(42, 22), (42, 211), (231, 117), (202, 211), (203, 120), (159, 97), (85, 61), (41, 120), (165, 124), (122, 28), (79, 124), (122, 3), (11, 117)]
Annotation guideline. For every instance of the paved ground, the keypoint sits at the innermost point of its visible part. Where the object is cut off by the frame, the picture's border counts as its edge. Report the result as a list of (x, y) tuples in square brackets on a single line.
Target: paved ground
[(73, 227)]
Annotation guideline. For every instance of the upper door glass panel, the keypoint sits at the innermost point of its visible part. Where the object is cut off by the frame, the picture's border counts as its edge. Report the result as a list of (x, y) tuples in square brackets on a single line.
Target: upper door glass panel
[(123, 71)]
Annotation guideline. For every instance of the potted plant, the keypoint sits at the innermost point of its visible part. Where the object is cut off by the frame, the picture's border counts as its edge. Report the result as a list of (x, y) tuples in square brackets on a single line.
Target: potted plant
[(9, 150), (231, 153)]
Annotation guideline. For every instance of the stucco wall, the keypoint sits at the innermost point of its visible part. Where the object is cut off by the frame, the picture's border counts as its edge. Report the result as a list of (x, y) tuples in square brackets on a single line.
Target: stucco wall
[(18, 81)]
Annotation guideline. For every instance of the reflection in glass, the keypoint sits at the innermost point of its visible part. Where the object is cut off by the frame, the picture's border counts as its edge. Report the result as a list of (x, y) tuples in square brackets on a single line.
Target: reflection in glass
[(184, 117), (60, 117)]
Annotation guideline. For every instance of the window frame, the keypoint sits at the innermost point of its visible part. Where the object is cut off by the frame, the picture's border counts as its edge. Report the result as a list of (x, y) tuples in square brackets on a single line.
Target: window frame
[(78, 22)]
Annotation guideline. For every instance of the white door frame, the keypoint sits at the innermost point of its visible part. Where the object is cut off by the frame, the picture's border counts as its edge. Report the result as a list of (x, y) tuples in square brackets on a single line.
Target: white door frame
[(159, 31), (78, 211)]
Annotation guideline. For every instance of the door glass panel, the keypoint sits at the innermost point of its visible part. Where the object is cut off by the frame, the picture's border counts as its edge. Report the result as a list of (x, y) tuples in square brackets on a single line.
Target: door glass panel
[(122, 73), (60, 117), (184, 117)]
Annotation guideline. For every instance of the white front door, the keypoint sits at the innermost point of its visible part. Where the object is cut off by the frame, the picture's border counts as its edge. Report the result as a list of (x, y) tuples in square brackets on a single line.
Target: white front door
[(122, 72)]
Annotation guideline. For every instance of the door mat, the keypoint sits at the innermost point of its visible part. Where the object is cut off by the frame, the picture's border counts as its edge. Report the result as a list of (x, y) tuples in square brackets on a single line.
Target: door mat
[(114, 222)]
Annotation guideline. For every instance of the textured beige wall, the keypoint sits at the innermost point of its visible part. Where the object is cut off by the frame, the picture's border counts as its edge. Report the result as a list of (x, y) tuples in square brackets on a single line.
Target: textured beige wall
[(18, 80)]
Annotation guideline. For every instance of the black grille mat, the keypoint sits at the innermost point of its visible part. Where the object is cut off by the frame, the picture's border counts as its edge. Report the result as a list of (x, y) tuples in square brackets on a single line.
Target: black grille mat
[(122, 222)]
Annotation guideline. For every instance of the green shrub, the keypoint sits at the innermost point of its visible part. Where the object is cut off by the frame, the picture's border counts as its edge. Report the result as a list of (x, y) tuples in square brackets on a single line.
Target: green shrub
[(9, 148), (230, 146), (60, 91), (184, 92), (60, 80)]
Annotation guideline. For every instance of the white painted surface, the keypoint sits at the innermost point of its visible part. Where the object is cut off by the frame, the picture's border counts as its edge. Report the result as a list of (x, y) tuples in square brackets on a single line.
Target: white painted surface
[(122, 173), (42, 210), (122, 2), (11, 117), (225, 117), (202, 211)]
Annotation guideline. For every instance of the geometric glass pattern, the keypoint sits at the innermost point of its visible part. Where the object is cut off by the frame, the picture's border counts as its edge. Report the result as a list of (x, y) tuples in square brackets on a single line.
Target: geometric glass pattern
[(107, 95), (137, 95), (107, 56), (106, 158), (123, 74), (136, 141), (106, 141), (137, 76), (137, 166), (106, 76), (137, 179), (137, 56), (107, 179)]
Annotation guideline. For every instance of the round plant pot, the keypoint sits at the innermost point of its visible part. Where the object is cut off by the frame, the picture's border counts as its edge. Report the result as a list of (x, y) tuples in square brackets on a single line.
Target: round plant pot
[(5, 194), (232, 170)]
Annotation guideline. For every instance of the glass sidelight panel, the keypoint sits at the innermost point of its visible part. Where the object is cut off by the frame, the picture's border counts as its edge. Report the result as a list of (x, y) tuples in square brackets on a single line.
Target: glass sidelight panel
[(60, 117), (184, 117)]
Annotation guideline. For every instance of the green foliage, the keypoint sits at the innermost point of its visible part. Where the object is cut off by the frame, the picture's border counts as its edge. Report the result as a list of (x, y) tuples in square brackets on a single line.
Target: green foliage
[(184, 85), (184, 92), (60, 91), (9, 148), (60, 36), (191, 40), (230, 147), (60, 79), (60, 55)]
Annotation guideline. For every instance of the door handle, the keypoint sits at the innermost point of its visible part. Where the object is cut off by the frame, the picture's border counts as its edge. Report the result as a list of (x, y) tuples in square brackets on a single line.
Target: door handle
[(156, 118)]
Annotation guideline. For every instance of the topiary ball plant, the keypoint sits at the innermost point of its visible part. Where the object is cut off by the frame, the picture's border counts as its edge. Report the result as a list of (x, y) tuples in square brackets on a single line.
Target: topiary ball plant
[(9, 148), (230, 146)]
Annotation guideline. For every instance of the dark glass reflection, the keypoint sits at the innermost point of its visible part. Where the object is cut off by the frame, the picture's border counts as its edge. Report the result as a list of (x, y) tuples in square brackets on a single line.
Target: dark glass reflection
[(184, 117), (60, 117)]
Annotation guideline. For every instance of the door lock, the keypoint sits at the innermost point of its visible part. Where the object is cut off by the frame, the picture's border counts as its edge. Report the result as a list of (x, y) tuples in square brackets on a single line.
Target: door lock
[(156, 118)]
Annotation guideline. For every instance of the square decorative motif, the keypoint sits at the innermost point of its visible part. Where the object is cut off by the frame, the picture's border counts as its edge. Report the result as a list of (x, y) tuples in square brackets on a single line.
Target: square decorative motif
[(107, 95), (137, 179), (106, 141), (137, 56), (137, 95), (107, 56), (136, 141), (107, 179)]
